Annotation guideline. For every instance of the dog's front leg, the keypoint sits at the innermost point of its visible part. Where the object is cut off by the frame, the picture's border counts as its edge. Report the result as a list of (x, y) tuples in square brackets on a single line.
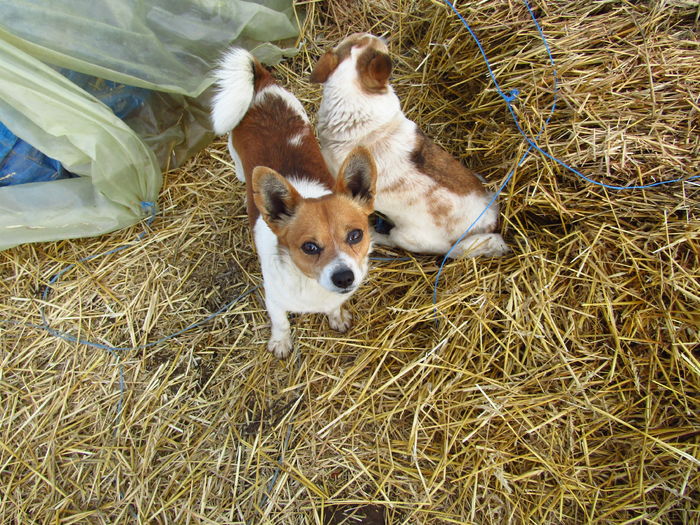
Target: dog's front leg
[(340, 319), (280, 342)]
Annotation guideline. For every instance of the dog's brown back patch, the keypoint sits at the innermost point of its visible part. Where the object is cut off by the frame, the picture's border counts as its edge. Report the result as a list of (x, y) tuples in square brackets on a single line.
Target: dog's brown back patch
[(433, 161), (262, 139), (440, 207)]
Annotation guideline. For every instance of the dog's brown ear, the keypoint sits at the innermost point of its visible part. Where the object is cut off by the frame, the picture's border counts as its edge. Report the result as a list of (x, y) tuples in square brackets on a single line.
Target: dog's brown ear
[(358, 178), (374, 68), (275, 197), (380, 68), (324, 67)]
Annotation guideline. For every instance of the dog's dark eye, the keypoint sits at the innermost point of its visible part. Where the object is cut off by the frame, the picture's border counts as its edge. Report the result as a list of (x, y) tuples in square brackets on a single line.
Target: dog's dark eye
[(354, 237), (310, 248)]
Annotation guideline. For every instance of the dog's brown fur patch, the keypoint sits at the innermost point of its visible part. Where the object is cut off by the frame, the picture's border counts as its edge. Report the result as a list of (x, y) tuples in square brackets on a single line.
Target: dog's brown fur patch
[(261, 139), (325, 221), (374, 69), (373, 65), (433, 161)]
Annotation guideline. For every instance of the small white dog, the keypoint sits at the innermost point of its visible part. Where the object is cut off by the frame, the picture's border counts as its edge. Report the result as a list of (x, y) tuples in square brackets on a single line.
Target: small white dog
[(311, 230), (425, 192)]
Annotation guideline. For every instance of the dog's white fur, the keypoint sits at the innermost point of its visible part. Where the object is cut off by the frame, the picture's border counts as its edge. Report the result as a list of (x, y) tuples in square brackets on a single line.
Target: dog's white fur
[(287, 288), (235, 81), (350, 116)]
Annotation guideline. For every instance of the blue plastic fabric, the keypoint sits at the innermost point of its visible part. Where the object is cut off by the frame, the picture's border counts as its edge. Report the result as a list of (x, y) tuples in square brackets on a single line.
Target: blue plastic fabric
[(21, 163), (123, 100), (163, 50)]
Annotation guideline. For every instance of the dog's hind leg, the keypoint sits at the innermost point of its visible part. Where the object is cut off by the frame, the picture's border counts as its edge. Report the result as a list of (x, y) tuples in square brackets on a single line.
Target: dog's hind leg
[(478, 244)]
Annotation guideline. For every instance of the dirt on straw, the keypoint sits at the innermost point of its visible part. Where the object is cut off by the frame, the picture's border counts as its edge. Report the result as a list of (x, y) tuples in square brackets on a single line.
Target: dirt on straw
[(558, 384)]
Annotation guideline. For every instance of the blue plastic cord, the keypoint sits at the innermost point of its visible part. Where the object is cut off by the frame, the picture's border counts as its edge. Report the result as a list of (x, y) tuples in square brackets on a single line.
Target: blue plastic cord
[(147, 206), (532, 143), (150, 208), (115, 349), (508, 98)]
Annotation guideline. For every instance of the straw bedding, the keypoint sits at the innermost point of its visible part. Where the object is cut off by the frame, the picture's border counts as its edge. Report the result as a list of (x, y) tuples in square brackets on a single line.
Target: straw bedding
[(558, 384)]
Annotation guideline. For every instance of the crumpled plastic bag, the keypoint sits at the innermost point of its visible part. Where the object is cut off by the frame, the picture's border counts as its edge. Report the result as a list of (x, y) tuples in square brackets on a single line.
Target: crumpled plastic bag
[(165, 46)]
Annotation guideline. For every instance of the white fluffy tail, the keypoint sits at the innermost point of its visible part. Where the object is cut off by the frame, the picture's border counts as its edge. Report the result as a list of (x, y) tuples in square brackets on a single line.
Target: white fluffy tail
[(235, 82)]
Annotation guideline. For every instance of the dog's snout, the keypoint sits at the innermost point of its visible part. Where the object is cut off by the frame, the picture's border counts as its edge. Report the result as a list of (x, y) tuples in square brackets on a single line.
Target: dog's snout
[(343, 278)]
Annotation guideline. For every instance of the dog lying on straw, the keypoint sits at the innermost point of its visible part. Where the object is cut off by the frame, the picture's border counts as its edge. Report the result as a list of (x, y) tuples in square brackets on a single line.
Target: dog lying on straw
[(426, 193)]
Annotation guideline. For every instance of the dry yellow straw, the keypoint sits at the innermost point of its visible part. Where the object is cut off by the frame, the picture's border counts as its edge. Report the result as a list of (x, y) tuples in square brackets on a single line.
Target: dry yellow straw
[(562, 384)]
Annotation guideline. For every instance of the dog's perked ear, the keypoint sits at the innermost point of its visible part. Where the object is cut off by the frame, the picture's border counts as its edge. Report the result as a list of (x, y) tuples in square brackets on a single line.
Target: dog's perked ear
[(324, 67), (374, 68), (275, 197), (358, 178)]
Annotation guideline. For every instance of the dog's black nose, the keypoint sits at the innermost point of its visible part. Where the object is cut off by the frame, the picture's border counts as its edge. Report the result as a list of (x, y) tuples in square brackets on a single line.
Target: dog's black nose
[(343, 278)]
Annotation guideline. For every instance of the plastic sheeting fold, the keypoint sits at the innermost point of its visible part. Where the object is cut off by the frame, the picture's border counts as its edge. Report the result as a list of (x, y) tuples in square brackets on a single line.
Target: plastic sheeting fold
[(168, 46)]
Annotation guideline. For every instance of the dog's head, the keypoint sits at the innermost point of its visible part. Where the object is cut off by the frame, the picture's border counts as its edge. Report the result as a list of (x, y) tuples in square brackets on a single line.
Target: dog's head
[(327, 237), (361, 56)]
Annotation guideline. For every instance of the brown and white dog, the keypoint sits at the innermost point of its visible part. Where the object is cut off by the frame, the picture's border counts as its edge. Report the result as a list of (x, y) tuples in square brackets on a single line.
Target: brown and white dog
[(429, 196), (311, 230)]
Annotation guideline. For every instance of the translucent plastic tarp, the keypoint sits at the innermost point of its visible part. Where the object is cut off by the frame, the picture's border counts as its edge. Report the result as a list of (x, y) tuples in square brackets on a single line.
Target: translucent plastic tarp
[(167, 46)]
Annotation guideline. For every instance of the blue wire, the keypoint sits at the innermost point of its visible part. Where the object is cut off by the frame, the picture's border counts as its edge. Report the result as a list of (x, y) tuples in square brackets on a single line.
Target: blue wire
[(149, 206), (508, 99), (115, 350), (532, 143)]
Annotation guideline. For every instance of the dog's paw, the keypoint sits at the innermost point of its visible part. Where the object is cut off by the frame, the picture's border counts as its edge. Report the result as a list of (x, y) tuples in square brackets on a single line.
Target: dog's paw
[(281, 346), (496, 246), (481, 244), (340, 320), (383, 239)]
